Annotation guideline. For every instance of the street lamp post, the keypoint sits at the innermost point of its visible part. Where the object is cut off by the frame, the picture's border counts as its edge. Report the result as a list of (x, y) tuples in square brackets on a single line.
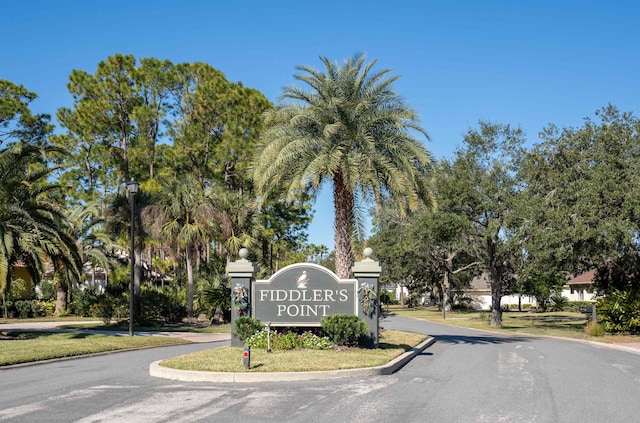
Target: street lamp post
[(132, 187)]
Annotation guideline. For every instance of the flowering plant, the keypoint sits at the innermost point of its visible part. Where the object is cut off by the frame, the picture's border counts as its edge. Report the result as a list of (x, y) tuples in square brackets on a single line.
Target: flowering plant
[(368, 299), (240, 300), (288, 340)]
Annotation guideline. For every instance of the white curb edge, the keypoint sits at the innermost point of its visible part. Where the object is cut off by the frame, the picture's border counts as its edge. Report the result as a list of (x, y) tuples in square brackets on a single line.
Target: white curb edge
[(156, 370)]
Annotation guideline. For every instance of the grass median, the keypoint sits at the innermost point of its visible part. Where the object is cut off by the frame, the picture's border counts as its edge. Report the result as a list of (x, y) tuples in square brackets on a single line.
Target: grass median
[(25, 347), (229, 359)]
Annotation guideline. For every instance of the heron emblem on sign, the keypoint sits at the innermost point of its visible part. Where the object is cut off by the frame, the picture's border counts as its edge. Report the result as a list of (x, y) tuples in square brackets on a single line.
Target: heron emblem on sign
[(303, 280)]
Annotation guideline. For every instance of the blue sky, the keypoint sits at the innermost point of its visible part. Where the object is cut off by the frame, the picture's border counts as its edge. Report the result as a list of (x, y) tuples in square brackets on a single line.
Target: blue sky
[(523, 63)]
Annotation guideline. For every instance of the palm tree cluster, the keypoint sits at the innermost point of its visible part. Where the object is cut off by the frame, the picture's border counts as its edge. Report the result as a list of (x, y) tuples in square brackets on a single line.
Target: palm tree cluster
[(190, 217)]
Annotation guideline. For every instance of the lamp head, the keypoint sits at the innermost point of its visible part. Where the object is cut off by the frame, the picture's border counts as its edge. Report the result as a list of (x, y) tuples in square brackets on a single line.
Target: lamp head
[(132, 186)]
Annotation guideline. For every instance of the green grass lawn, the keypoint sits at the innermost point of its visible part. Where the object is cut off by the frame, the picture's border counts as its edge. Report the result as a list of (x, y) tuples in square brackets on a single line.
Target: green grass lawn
[(89, 320), (25, 347), (21, 346), (229, 359), (560, 324)]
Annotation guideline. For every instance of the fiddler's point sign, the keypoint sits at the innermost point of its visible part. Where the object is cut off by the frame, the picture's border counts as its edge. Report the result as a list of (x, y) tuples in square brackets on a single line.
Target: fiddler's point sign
[(302, 294)]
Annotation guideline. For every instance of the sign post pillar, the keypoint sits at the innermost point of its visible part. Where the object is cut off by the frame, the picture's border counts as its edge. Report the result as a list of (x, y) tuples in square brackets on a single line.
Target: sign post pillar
[(367, 272), (242, 273)]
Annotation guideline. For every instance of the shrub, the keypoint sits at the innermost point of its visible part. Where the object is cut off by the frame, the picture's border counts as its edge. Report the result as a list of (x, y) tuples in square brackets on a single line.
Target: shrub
[(619, 311), (594, 329), (289, 340), (385, 298), (23, 308), (28, 308), (40, 308), (286, 341), (311, 341), (8, 310), (558, 302), (19, 290), (121, 308), (462, 307), (104, 308), (219, 298), (246, 327), (344, 330), (107, 307), (65, 313), (259, 339), (46, 291), (83, 301), (161, 306)]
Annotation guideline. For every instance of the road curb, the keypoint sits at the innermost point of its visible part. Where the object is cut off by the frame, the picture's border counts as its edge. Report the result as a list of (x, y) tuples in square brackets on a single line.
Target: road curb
[(156, 370)]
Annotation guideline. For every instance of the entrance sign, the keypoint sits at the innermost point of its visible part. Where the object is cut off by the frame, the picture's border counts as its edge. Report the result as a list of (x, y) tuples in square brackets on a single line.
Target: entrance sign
[(301, 295)]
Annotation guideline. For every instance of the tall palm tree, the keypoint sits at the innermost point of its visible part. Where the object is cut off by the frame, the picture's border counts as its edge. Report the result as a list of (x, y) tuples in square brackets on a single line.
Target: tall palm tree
[(236, 221), (33, 227), (353, 130), (89, 231), (93, 244), (181, 215)]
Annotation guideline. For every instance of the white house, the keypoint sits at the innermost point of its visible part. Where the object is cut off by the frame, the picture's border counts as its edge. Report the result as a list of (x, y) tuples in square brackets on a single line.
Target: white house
[(93, 276), (580, 288), (399, 291), (480, 293)]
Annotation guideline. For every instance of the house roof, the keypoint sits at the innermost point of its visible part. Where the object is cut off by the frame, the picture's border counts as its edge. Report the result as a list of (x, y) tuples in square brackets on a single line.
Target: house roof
[(480, 283), (584, 278)]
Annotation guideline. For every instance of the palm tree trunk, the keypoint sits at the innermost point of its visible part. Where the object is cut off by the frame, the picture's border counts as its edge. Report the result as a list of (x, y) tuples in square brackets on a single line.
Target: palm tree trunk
[(343, 205), (61, 297), (189, 260)]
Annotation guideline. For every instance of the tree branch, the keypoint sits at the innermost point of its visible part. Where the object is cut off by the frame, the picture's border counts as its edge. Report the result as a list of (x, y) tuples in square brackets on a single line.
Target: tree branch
[(468, 266)]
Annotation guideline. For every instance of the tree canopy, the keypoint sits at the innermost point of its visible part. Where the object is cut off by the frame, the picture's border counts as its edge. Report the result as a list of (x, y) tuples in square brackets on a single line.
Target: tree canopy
[(221, 168)]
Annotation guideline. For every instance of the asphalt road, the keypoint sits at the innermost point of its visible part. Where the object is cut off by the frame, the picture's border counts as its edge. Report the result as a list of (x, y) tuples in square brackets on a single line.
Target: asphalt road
[(466, 376)]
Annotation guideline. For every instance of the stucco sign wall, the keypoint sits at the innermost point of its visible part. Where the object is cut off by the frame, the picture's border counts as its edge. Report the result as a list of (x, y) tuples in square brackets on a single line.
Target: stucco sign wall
[(301, 295)]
